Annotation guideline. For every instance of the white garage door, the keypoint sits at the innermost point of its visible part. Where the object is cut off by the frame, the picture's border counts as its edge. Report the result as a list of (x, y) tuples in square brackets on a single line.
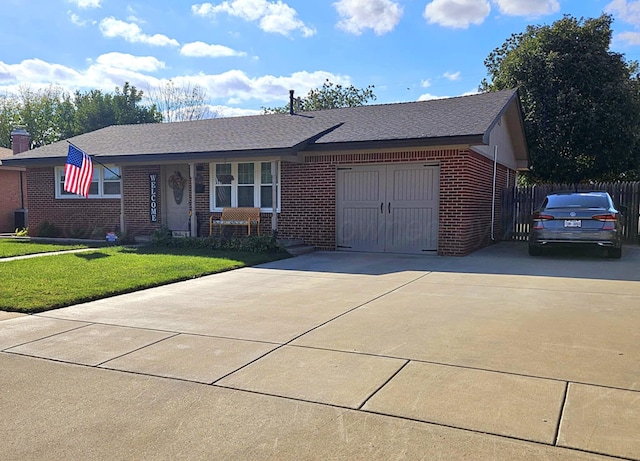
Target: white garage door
[(388, 208)]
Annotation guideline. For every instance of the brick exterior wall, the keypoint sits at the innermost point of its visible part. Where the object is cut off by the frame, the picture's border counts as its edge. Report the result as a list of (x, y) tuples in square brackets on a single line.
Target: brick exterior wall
[(9, 198), (309, 197), (74, 217), (137, 199)]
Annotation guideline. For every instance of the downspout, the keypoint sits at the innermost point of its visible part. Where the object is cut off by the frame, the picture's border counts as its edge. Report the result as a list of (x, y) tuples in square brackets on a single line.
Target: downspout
[(193, 218), (274, 198), (123, 229), (21, 191), (493, 196)]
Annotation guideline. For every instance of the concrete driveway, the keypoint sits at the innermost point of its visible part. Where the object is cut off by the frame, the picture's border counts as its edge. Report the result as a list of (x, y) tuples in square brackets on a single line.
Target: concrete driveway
[(494, 356)]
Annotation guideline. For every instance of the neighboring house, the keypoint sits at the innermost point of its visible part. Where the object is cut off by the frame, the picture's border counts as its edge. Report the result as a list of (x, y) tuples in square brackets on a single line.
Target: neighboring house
[(409, 177), (12, 183)]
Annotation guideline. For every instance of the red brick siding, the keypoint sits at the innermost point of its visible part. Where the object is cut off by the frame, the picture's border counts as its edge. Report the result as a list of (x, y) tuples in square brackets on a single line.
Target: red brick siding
[(470, 204), (75, 217), (9, 199), (309, 197), (137, 199), (202, 198)]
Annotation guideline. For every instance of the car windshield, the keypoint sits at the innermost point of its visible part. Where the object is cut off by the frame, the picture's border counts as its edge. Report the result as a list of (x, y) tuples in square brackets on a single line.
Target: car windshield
[(577, 201)]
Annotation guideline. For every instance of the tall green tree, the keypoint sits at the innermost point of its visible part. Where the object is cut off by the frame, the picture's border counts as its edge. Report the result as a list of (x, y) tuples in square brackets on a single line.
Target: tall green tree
[(580, 100), (9, 119), (38, 111), (95, 109), (329, 96), (52, 114)]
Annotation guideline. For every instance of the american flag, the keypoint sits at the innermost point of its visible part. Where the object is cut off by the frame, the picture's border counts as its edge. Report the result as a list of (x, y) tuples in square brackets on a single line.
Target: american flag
[(78, 172)]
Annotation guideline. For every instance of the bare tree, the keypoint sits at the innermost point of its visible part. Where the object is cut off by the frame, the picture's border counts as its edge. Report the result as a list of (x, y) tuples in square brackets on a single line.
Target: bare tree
[(180, 103)]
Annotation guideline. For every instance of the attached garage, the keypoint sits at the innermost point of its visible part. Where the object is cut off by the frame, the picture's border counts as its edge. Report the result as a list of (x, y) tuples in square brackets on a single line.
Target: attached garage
[(388, 208)]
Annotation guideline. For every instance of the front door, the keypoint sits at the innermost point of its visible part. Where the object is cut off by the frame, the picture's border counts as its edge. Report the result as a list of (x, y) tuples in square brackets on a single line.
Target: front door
[(388, 208), (177, 197)]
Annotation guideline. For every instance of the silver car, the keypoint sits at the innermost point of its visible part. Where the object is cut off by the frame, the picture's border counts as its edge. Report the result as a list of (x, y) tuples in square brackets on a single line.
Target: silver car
[(576, 218)]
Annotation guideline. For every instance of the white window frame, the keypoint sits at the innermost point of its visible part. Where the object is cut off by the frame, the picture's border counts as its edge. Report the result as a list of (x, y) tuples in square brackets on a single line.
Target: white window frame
[(257, 185), (59, 174)]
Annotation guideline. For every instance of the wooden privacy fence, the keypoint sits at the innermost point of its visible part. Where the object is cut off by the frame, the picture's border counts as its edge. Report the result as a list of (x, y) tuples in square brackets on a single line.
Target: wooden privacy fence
[(519, 203)]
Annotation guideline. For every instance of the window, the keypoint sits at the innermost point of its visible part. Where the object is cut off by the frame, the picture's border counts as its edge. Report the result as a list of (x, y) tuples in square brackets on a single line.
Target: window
[(105, 183), (242, 184)]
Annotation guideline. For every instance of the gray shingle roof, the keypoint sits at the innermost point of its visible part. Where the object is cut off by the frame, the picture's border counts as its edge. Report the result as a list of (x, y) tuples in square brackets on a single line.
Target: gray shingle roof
[(444, 118), (5, 153), (440, 118)]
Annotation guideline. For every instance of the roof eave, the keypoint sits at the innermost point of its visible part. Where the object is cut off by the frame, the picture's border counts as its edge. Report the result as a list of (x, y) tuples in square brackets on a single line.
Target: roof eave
[(281, 153), (394, 143)]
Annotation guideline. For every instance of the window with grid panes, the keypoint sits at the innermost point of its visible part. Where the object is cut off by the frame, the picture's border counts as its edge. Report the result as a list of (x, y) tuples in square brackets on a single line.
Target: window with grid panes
[(242, 184)]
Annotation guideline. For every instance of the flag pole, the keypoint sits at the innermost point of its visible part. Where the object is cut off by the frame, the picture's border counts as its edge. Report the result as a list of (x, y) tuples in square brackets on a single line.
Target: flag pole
[(122, 221), (96, 160)]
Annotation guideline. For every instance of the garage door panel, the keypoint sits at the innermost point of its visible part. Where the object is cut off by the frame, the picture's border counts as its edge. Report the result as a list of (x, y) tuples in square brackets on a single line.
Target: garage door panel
[(411, 230), (360, 229), (362, 186), (410, 185)]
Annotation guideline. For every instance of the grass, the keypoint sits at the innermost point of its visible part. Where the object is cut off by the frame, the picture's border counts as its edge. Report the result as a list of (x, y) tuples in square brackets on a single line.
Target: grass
[(49, 282), (14, 247)]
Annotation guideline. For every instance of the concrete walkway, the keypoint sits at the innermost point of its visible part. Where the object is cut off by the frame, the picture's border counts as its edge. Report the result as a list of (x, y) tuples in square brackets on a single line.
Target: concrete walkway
[(494, 356)]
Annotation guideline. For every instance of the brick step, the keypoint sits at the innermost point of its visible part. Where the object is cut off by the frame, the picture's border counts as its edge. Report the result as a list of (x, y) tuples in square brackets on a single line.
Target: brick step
[(296, 247)]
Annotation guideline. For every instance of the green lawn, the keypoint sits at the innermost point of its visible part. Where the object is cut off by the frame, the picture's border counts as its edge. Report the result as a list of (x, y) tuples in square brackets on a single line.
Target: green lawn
[(14, 247), (49, 282)]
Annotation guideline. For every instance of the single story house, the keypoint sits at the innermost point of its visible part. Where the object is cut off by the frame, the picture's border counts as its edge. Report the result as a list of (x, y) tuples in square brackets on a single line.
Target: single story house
[(13, 197), (407, 177)]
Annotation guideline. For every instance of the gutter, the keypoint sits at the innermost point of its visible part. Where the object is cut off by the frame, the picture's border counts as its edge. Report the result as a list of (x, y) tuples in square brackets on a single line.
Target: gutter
[(493, 195)]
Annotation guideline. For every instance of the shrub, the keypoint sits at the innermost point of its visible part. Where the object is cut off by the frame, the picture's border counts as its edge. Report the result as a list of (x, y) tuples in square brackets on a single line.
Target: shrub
[(47, 229), (162, 237), (78, 231), (254, 244)]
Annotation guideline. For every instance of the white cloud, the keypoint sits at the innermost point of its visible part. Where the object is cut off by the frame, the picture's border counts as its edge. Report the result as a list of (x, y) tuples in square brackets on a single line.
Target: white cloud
[(237, 87), (632, 38), (204, 50), (86, 3), (130, 62), (272, 17), (430, 97), (381, 16), (425, 83), (527, 7), (39, 74), (627, 10), (112, 27), (452, 76), (226, 111), (457, 13), (109, 70), (471, 92), (77, 20)]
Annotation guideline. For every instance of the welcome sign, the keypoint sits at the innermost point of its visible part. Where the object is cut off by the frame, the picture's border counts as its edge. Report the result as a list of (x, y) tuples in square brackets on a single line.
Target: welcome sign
[(153, 197)]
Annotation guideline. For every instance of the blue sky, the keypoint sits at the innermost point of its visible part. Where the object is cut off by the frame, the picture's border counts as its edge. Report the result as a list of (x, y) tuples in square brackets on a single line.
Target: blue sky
[(247, 54)]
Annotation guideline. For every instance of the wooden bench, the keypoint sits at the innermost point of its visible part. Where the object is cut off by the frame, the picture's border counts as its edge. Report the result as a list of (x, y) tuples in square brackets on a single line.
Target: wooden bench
[(237, 217)]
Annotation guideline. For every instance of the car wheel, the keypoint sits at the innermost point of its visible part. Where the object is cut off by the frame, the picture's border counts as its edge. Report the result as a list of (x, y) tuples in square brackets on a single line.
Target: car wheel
[(535, 251), (615, 253)]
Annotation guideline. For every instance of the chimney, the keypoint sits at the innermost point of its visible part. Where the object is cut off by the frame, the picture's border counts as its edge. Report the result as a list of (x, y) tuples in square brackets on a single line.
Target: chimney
[(291, 112), (20, 141)]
